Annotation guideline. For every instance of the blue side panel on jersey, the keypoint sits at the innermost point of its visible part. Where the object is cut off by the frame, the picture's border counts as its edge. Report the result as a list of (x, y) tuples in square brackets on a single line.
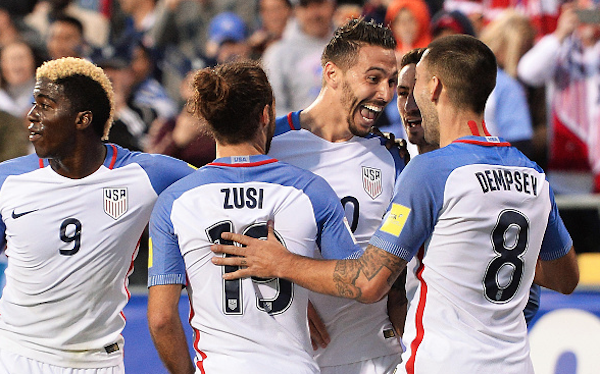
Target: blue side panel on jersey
[(16, 166), (282, 125), (161, 170)]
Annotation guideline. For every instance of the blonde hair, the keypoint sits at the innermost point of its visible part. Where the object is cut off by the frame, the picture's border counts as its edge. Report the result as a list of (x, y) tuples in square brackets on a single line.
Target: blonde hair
[(509, 36), (67, 67)]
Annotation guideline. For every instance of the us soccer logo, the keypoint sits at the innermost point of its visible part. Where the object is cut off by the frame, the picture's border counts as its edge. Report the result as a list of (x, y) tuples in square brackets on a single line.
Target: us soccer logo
[(371, 180), (115, 201)]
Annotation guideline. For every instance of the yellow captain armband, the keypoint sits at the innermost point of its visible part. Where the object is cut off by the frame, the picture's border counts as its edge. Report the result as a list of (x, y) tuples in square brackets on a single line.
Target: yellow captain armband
[(396, 218), (149, 253)]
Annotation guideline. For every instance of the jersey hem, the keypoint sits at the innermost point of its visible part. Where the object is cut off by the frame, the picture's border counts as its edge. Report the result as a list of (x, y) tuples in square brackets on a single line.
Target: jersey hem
[(164, 279)]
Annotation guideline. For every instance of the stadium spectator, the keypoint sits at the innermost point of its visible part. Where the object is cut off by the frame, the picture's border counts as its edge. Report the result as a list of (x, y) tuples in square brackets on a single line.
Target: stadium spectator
[(139, 21), (66, 38), (566, 61), (146, 90), (17, 78), (131, 122), (446, 23), (274, 15), (507, 112), (96, 25), (410, 22), (227, 39), (89, 203), (454, 305), (12, 29), (13, 136), (293, 64), (181, 32), (251, 326), (185, 136)]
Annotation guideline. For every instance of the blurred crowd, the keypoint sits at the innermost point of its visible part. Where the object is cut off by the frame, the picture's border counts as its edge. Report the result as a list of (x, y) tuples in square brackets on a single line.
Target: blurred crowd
[(546, 102)]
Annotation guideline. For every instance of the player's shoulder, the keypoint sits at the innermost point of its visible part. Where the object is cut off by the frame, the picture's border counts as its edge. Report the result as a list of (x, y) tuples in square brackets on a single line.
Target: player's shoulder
[(18, 166), (121, 157), (287, 123), (161, 170)]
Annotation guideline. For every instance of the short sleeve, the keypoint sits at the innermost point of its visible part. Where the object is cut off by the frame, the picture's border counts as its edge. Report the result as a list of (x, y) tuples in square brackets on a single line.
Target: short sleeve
[(165, 262)]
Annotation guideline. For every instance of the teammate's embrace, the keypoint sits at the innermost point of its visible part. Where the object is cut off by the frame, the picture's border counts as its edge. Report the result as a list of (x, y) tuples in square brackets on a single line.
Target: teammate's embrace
[(72, 218), (484, 213), (332, 139), (253, 325)]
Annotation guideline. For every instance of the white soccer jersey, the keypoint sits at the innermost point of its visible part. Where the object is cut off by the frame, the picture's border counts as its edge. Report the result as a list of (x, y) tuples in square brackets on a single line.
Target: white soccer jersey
[(253, 325), (71, 245), (363, 173), (485, 212)]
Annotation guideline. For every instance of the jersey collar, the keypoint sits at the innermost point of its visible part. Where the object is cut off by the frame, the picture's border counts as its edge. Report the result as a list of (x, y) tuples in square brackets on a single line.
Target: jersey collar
[(486, 141), (243, 161)]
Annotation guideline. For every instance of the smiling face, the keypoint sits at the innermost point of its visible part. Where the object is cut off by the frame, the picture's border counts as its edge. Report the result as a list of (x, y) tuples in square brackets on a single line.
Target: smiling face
[(422, 94), (52, 127), (409, 112), (17, 63), (368, 86)]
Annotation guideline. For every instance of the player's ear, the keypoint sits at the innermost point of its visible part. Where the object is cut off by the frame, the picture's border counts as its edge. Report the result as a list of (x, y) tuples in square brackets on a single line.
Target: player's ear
[(84, 119), (435, 88), (266, 114), (332, 74)]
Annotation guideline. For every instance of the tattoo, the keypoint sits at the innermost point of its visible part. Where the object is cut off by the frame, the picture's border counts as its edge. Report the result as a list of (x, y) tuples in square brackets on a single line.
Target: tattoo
[(369, 265)]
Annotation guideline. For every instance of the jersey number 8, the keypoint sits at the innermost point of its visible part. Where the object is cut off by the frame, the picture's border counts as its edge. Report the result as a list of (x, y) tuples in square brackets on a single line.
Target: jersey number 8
[(509, 253)]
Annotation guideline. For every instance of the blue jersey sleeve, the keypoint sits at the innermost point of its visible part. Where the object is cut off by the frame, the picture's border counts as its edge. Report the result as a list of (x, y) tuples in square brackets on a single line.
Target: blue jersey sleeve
[(286, 123), (165, 262), (410, 219), (334, 237), (557, 241)]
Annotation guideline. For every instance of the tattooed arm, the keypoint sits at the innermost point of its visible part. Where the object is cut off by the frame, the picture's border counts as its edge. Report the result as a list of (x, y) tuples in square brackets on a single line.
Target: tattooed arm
[(367, 279)]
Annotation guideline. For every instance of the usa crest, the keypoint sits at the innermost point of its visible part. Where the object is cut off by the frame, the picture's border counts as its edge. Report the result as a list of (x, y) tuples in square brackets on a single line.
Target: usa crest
[(115, 201), (371, 180)]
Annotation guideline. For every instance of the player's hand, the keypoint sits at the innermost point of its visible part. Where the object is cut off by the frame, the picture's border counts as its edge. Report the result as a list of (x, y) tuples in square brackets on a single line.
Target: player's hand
[(258, 258), (392, 141), (318, 332)]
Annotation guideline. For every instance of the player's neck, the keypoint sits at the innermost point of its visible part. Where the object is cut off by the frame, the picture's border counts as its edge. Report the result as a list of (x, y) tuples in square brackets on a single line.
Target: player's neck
[(325, 118), (83, 161), (243, 149), (455, 124)]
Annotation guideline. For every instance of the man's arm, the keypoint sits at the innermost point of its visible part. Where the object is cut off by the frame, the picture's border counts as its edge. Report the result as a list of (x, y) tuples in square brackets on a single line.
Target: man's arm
[(397, 305), (367, 279), (166, 328), (560, 275)]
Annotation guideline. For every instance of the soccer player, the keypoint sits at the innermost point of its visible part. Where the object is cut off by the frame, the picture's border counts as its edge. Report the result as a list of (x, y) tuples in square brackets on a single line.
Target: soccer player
[(333, 140), (484, 212), (254, 325), (72, 217)]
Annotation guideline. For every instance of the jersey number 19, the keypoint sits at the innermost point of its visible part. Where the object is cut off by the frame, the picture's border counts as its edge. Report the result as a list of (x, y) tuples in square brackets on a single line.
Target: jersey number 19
[(232, 289)]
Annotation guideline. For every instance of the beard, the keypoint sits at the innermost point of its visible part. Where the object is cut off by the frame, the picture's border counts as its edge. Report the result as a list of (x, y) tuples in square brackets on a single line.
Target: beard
[(351, 104), (270, 130)]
